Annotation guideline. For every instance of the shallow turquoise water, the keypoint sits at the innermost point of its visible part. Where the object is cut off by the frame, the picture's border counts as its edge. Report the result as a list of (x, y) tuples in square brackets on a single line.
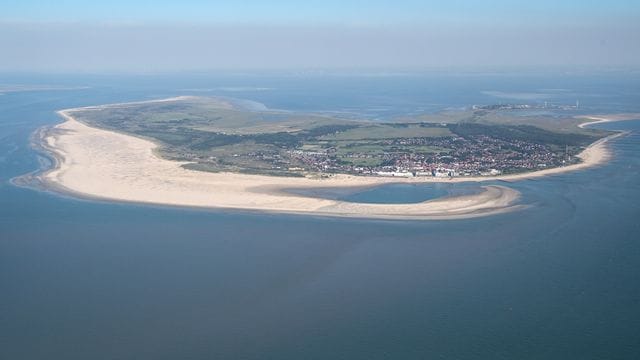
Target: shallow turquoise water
[(99, 280)]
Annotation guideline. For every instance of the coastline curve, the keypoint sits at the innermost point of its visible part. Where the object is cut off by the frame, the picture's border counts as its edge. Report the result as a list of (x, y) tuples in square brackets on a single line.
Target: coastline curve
[(100, 164)]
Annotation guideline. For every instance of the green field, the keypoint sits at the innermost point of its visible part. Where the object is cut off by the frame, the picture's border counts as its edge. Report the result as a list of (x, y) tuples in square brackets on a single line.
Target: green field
[(389, 131)]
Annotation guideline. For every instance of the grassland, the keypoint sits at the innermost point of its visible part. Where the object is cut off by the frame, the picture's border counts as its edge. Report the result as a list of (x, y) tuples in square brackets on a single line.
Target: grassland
[(388, 131)]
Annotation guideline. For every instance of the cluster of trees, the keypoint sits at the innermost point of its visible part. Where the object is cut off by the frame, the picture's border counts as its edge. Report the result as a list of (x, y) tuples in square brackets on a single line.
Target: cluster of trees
[(526, 133)]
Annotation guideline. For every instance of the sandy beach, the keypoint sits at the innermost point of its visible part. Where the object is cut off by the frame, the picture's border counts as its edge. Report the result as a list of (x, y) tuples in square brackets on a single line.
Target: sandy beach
[(597, 119), (102, 164)]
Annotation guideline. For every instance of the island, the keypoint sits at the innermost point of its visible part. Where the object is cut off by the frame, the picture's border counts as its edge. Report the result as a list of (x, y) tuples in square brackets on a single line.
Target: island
[(233, 154)]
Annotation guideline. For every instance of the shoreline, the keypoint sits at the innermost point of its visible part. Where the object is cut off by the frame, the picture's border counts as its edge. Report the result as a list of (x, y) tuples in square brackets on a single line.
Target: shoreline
[(99, 164), (599, 119)]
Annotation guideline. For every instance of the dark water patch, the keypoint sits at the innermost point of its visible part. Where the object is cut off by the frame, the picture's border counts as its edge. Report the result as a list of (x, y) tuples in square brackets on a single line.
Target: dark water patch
[(391, 193), (410, 193)]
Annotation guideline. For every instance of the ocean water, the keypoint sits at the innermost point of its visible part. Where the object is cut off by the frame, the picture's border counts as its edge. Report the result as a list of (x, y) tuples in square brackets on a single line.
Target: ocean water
[(98, 280)]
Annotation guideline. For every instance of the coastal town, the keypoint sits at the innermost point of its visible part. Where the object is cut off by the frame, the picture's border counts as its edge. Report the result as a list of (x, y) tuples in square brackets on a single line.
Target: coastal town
[(478, 155)]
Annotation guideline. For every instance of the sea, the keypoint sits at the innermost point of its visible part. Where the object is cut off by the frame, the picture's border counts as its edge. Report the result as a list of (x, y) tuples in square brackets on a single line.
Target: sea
[(559, 279)]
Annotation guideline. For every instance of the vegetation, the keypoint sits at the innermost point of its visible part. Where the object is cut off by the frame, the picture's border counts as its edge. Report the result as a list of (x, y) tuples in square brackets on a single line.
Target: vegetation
[(389, 131), (521, 132)]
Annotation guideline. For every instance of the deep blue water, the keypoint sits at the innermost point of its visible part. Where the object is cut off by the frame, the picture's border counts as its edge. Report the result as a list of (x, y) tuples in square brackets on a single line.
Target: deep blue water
[(98, 280)]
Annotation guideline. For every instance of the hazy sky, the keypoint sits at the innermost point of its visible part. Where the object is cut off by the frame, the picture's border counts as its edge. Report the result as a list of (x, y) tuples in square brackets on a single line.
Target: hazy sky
[(119, 35)]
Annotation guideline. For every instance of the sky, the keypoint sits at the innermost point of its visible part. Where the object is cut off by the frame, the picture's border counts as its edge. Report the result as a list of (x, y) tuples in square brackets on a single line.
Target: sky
[(195, 35)]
